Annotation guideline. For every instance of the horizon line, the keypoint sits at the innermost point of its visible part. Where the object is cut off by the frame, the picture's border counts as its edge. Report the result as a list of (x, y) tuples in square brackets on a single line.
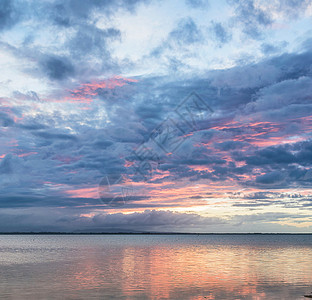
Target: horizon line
[(151, 233)]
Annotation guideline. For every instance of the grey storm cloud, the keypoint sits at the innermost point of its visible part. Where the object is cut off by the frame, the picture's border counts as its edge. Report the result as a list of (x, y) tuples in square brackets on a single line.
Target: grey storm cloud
[(284, 154), (58, 68), (6, 120), (6, 164), (54, 136), (90, 40), (271, 155), (293, 159), (32, 126), (270, 178)]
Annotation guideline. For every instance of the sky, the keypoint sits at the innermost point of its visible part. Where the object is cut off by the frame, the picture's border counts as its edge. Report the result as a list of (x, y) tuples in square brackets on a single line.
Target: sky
[(153, 115)]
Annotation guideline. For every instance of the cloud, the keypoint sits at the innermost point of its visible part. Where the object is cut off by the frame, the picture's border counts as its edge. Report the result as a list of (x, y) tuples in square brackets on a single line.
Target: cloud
[(269, 49), (75, 11), (197, 3), (253, 18), (259, 200), (230, 145), (186, 33), (270, 178), (54, 136), (83, 122), (53, 219), (306, 45), (154, 219), (267, 217), (6, 164), (284, 93), (6, 120), (270, 155), (92, 147), (79, 46), (291, 9), (92, 41), (57, 68), (221, 35), (256, 16), (179, 43), (9, 14)]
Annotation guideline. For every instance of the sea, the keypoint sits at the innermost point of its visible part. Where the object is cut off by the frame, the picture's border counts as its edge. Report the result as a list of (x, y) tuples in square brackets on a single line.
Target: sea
[(162, 266)]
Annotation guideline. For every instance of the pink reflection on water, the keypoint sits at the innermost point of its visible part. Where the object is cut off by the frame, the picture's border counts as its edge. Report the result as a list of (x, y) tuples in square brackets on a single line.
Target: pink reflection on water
[(196, 271)]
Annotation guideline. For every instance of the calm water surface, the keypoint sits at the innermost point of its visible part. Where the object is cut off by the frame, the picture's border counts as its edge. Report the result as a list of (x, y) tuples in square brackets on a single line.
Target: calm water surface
[(155, 267)]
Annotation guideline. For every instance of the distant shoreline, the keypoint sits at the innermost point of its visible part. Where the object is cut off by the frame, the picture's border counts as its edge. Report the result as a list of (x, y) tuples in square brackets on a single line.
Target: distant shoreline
[(141, 233)]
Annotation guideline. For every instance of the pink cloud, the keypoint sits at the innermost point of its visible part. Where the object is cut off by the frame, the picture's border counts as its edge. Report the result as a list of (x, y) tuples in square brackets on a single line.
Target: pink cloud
[(91, 192), (27, 154), (87, 91)]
